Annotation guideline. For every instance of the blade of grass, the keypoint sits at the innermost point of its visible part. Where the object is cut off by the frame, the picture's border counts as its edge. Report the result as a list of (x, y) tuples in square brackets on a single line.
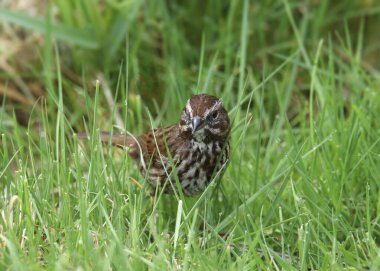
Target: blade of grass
[(73, 35)]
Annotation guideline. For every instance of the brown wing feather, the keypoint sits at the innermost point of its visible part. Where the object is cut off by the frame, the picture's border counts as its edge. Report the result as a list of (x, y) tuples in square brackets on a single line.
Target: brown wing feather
[(152, 147), (153, 139)]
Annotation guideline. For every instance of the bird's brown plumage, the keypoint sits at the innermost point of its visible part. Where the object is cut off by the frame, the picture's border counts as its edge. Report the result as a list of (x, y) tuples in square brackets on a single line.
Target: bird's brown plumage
[(196, 155)]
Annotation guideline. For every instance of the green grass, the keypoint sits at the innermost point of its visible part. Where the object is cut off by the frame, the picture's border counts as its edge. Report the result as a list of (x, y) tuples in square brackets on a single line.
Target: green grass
[(301, 191)]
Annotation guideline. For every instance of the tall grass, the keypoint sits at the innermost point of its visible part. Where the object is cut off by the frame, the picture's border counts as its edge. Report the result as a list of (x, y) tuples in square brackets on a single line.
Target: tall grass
[(301, 189)]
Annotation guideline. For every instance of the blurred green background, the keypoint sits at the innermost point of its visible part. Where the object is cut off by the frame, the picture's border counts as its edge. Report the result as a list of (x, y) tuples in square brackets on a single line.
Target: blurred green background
[(301, 82), (164, 44)]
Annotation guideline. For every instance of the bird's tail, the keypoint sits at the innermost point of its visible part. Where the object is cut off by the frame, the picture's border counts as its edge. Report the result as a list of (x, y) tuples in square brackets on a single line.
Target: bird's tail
[(117, 139)]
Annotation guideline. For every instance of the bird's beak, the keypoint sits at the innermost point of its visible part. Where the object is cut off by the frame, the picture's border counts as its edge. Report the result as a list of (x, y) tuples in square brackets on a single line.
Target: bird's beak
[(198, 123)]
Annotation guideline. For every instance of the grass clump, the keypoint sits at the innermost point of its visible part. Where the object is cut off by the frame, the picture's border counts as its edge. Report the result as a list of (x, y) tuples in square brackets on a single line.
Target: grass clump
[(301, 82)]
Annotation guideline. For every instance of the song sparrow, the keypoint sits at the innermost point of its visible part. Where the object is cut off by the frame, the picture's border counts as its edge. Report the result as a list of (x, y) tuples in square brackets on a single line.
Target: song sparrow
[(199, 147)]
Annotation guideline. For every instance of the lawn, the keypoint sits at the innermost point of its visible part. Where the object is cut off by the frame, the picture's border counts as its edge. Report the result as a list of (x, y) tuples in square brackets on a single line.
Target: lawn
[(301, 82)]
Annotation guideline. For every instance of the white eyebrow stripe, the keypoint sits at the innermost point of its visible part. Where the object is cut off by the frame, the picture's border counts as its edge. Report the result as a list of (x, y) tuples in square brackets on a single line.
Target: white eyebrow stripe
[(217, 104), (188, 108)]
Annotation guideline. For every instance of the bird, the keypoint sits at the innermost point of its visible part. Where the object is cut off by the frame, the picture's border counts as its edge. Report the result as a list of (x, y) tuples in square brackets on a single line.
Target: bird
[(196, 149)]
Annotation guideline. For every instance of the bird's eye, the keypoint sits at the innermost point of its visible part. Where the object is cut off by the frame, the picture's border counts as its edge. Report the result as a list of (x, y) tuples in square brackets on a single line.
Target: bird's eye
[(214, 114)]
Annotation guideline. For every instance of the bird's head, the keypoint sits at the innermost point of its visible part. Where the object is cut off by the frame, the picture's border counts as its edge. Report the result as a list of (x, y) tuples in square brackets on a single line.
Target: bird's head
[(204, 116)]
